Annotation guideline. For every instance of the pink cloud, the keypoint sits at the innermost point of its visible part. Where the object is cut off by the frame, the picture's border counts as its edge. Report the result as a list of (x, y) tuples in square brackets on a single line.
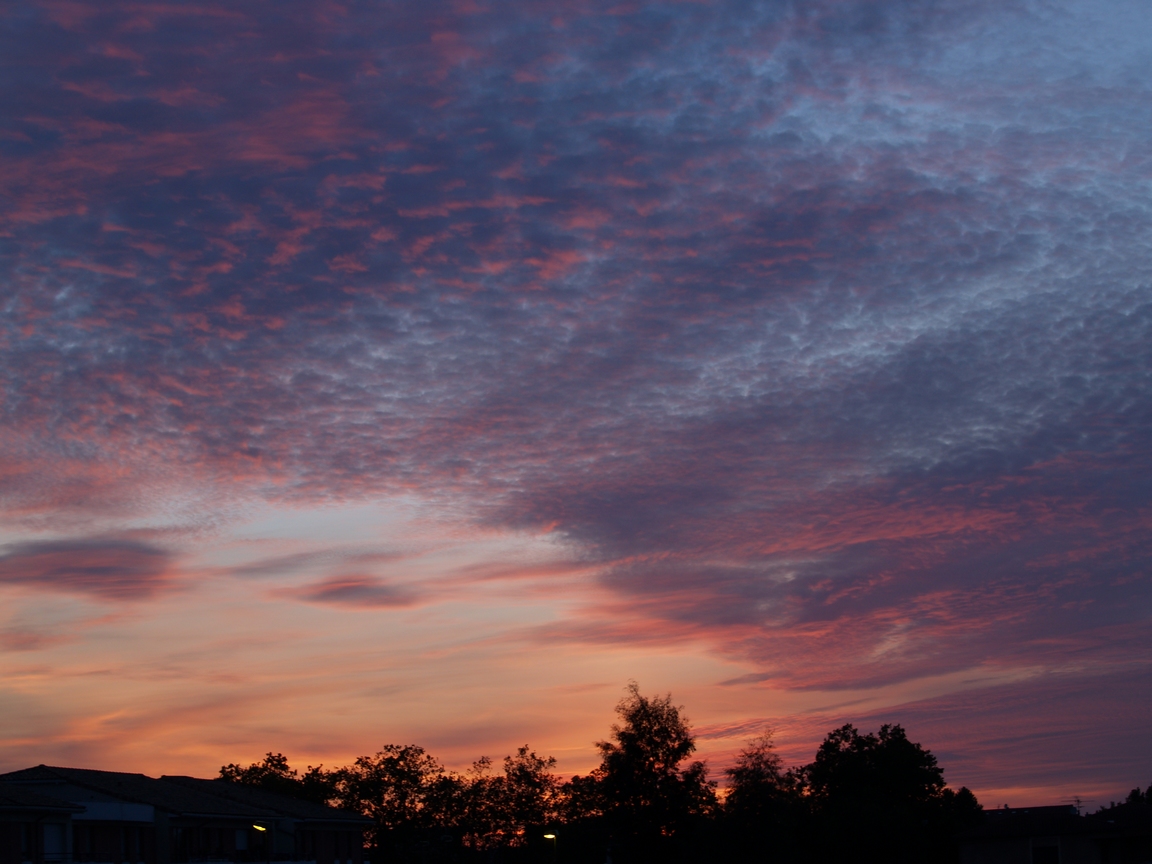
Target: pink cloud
[(355, 592), (106, 568)]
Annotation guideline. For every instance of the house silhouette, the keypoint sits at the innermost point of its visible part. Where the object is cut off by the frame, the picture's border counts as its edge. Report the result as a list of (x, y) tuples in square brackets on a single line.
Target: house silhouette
[(52, 815)]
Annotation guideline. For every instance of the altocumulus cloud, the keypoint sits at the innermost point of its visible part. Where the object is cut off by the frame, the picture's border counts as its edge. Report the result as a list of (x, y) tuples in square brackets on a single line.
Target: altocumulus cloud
[(106, 568), (822, 329)]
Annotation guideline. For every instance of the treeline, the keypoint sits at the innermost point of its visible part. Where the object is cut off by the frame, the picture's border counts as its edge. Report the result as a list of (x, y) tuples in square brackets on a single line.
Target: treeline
[(864, 797)]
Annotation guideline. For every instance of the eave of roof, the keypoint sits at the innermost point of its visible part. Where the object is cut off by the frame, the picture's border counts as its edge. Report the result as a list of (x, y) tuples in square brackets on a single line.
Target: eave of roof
[(187, 797), (140, 789), (16, 798)]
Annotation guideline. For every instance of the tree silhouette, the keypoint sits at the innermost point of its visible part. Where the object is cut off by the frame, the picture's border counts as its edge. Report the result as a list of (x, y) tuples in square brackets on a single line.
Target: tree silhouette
[(500, 811), (276, 775), (882, 798), (758, 777), (406, 792), (869, 798), (529, 792), (647, 803), (1138, 797), (765, 813)]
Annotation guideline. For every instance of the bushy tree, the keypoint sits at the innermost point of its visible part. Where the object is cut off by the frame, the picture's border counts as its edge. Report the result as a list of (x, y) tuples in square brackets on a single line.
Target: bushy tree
[(646, 802), (850, 767), (274, 774), (529, 793), (1138, 797), (501, 810), (765, 812), (868, 798), (406, 792), (883, 798), (758, 776)]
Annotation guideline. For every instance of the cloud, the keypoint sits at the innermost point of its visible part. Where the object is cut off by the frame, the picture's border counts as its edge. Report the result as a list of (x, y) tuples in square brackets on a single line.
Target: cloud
[(23, 639), (820, 332), (281, 565), (355, 592), (106, 568)]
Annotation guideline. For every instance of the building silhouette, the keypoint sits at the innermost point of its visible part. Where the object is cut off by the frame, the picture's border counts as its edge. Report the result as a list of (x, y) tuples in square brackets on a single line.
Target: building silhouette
[(78, 816)]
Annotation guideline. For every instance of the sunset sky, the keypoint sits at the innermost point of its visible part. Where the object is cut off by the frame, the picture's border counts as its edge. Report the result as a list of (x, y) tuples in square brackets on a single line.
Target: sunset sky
[(404, 372)]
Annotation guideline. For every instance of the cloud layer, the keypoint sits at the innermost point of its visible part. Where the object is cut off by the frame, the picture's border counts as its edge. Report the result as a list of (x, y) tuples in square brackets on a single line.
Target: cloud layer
[(106, 568), (821, 332)]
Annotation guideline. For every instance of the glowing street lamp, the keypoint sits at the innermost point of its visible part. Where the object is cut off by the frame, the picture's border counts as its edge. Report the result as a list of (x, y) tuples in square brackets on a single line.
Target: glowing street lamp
[(266, 841)]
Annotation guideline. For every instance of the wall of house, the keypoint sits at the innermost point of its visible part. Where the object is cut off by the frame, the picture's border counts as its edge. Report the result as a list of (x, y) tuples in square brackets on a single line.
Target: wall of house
[(1065, 849), (113, 843), (38, 840), (1079, 849), (330, 846), (14, 841), (1009, 850)]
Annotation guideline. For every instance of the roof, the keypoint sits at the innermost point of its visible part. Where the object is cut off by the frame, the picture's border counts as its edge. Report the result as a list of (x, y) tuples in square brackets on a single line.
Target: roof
[(14, 797), (1121, 820), (1029, 822), (254, 796), (1129, 818), (135, 788), (173, 794)]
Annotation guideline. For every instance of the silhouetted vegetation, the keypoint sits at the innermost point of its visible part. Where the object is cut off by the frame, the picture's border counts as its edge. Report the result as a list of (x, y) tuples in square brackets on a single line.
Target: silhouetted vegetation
[(640, 803), (1137, 797), (275, 775), (766, 815), (882, 798), (864, 797), (1137, 807)]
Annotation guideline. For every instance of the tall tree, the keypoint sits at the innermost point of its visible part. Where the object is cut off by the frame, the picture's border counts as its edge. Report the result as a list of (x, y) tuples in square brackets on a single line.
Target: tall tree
[(757, 777), (764, 811), (646, 800)]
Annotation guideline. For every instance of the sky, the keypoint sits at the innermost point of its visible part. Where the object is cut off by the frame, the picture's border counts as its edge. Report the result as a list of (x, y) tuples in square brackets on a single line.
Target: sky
[(384, 372)]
